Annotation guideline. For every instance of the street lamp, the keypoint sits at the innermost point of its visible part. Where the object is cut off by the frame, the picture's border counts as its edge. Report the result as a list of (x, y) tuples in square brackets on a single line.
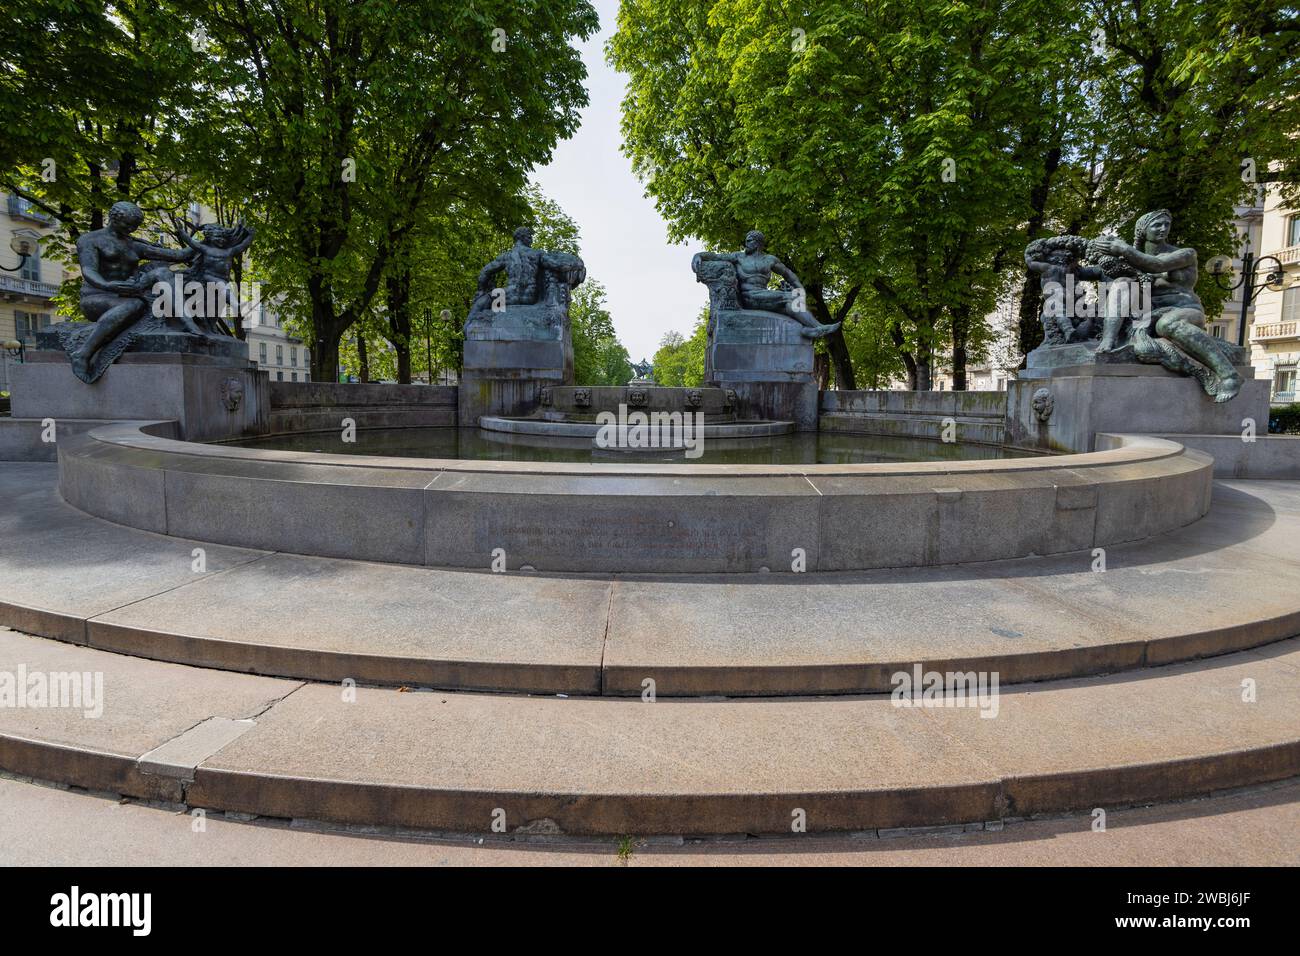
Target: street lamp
[(25, 247), (1275, 279), (445, 321)]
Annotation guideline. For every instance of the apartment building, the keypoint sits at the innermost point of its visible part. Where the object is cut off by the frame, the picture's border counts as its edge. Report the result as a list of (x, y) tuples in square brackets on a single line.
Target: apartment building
[(284, 356), (1273, 320), (26, 292)]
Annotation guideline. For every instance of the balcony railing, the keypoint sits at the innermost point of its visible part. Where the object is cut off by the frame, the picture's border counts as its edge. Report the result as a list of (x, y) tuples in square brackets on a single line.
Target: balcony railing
[(1288, 256), (21, 208), (1276, 330), (17, 285)]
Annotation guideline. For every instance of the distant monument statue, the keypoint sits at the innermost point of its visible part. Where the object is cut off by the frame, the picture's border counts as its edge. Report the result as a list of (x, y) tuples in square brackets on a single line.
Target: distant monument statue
[(160, 330), (135, 302), (1174, 335)]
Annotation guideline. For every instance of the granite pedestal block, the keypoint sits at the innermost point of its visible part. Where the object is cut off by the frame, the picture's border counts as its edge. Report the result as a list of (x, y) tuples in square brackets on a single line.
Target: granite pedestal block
[(504, 377), (767, 362), (210, 397), (1077, 402)]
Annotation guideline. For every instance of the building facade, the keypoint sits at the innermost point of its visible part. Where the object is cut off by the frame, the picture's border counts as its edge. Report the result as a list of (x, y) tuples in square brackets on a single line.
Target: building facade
[(26, 296), (1273, 320), (284, 356)]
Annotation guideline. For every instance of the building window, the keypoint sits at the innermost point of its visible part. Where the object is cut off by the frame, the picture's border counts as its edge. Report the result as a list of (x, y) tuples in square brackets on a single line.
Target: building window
[(1291, 305), (32, 265), (1217, 331), (261, 353), (293, 376), (1284, 383), (293, 355), (26, 324), (279, 376), (1293, 231), (279, 355)]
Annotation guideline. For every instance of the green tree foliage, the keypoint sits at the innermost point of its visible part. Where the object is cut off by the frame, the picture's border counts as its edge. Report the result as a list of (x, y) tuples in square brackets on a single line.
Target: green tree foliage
[(345, 122), (680, 361), (910, 149), (598, 356), (91, 95)]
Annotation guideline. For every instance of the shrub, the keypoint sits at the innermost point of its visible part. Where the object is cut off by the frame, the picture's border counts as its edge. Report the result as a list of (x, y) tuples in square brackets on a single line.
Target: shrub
[(1284, 419)]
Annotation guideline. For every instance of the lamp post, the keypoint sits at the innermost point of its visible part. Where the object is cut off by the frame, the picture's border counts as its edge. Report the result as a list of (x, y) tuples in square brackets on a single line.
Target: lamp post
[(25, 248), (1221, 267), (428, 363), (445, 321)]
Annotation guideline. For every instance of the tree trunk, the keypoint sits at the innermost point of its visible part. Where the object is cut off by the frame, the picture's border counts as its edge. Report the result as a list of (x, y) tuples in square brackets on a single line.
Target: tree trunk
[(324, 356), (1031, 326), (960, 334), (398, 315), (363, 359), (237, 320), (836, 347), (925, 357), (821, 370), (327, 331), (909, 360)]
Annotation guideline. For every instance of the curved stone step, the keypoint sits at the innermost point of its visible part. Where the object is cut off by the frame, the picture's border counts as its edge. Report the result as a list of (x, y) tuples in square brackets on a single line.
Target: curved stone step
[(456, 761), (1227, 583)]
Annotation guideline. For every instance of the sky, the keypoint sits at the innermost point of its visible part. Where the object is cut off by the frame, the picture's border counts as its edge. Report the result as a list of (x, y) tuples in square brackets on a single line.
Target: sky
[(624, 239)]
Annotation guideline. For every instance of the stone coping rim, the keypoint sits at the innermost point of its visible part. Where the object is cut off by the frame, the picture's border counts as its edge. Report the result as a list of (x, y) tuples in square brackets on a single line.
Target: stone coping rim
[(1133, 449)]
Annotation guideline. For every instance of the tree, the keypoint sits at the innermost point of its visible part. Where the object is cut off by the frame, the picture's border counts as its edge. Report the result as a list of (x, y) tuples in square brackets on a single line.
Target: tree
[(680, 361), (1199, 101), (91, 99), (880, 146), (344, 122), (598, 356)]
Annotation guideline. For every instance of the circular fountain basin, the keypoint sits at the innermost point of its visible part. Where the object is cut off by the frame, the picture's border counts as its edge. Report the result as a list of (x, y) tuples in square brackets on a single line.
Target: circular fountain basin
[(628, 516)]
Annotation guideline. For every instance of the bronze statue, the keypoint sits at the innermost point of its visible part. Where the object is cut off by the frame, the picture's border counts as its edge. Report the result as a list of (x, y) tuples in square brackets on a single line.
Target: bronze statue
[(753, 272), (1174, 335), (536, 293), (115, 291)]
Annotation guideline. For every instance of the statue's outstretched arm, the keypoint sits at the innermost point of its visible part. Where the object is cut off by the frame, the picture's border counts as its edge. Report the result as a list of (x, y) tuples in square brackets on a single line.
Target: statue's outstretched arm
[(238, 248), (1157, 263), (786, 273), (147, 250)]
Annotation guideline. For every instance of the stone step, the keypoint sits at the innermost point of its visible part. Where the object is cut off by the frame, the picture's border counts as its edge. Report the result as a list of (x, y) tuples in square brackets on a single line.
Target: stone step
[(1226, 583), (464, 762), (44, 825)]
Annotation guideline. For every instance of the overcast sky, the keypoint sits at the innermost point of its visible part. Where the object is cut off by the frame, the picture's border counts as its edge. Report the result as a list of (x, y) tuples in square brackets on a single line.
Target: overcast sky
[(624, 240)]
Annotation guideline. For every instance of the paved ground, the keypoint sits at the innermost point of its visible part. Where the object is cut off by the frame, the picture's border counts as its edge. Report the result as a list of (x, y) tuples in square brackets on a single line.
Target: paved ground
[(40, 825)]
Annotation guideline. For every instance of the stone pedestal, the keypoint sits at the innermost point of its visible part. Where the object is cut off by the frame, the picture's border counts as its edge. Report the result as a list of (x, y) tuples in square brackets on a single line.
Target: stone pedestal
[(506, 376), (1120, 396), (210, 396), (767, 362)]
